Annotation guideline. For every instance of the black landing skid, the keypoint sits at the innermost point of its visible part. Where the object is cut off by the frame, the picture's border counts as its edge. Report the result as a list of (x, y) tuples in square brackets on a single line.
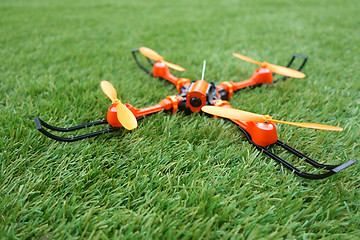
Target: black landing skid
[(40, 124), (332, 168)]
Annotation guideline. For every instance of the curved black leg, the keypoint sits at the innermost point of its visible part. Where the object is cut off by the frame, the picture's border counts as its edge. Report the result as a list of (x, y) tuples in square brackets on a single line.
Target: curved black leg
[(304, 58), (40, 124), (134, 51)]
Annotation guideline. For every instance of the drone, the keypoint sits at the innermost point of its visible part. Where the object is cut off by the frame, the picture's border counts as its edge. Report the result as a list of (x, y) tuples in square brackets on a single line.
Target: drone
[(207, 98)]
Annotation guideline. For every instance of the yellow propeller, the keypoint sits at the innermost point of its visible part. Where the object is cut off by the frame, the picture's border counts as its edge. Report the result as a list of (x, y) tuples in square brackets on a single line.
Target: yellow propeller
[(124, 115), (272, 67), (252, 117), (147, 52)]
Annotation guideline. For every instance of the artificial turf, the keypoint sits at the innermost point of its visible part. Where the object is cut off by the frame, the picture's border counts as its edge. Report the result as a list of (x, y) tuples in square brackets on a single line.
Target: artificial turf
[(175, 176)]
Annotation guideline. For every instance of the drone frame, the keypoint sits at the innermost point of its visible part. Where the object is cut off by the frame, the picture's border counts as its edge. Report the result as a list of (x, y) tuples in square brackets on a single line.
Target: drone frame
[(215, 95)]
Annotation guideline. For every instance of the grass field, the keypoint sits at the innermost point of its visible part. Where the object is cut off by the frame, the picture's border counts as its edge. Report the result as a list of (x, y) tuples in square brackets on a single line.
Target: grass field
[(175, 176)]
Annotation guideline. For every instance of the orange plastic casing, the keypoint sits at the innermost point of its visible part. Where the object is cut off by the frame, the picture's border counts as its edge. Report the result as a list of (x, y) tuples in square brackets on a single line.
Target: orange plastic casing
[(262, 75), (161, 70), (112, 117), (197, 92), (262, 134)]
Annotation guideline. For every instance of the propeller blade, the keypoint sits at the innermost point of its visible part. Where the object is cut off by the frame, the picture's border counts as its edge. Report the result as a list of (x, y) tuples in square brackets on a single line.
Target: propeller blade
[(284, 71), (253, 117), (310, 125), (233, 114), (126, 117), (109, 90), (147, 52), (273, 68), (245, 58), (173, 66)]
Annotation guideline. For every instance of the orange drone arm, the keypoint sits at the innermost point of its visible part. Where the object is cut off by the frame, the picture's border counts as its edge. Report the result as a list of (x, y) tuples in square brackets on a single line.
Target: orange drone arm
[(171, 102), (161, 70), (260, 76)]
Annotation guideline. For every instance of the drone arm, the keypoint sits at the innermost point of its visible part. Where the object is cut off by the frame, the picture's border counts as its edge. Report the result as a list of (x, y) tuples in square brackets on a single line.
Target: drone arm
[(148, 110), (259, 77), (178, 82), (231, 87), (161, 70), (168, 103), (171, 102)]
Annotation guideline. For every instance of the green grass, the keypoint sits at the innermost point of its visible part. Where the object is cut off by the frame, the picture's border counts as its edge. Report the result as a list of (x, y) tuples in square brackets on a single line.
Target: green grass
[(175, 176)]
